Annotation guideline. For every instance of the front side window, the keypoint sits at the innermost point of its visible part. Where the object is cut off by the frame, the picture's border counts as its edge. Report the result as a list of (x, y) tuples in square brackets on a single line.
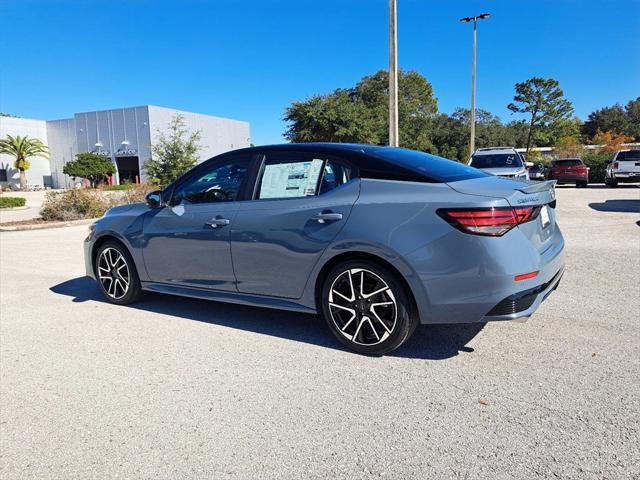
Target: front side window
[(289, 175), (221, 183)]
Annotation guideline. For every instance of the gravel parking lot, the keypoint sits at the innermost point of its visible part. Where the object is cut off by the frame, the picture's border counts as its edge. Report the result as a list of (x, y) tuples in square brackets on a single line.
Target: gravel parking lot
[(180, 388)]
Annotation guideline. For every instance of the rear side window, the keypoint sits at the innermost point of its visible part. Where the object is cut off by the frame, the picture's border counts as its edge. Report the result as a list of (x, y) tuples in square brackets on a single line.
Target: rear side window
[(630, 156), (334, 175), (427, 167), (568, 163)]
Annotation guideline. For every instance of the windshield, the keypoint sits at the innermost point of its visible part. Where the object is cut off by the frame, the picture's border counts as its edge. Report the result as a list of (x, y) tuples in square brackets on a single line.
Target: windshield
[(631, 155), (568, 163), (496, 160)]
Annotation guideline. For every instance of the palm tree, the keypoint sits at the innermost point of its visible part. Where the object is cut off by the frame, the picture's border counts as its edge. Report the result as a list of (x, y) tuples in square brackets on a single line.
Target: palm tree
[(22, 148)]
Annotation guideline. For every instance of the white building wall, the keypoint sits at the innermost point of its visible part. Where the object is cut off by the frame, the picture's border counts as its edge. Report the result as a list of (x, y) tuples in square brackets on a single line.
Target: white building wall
[(40, 171), (217, 135), (63, 148)]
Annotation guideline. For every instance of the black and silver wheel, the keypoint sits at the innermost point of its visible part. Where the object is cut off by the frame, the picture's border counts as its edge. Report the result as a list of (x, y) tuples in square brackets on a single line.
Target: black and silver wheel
[(367, 308), (116, 274)]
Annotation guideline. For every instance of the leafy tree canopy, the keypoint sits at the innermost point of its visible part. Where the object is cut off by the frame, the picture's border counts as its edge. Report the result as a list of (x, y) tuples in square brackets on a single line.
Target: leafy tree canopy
[(543, 100), (174, 153), (360, 113), (618, 119), (91, 166)]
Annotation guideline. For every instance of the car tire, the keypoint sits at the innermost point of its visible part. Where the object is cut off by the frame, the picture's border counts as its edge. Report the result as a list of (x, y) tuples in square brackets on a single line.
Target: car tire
[(613, 183), (367, 308), (116, 274), (581, 184)]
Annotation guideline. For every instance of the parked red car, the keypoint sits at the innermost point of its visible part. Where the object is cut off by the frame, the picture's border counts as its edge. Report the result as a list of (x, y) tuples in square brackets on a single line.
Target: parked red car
[(569, 170)]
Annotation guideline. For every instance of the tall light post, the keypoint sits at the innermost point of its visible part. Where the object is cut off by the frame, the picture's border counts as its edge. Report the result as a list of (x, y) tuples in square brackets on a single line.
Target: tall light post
[(472, 141), (393, 75)]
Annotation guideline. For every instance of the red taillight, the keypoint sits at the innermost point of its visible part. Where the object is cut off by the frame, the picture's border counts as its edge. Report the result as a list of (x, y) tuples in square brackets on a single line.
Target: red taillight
[(615, 165), (494, 222)]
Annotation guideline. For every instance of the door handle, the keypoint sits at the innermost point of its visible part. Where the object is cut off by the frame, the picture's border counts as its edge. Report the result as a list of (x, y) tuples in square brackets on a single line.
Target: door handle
[(324, 217), (218, 222)]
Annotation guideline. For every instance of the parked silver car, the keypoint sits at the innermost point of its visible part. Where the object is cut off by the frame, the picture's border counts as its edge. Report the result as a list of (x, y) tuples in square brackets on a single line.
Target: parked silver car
[(376, 239), (501, 162)]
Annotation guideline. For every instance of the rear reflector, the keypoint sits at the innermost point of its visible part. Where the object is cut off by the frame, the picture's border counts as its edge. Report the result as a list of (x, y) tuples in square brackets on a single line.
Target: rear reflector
[(493, 222), (525, 276)]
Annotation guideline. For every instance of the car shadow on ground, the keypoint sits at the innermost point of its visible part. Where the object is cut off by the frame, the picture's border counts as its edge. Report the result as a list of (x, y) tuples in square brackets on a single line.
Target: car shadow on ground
[(624, 206), (429, 342)]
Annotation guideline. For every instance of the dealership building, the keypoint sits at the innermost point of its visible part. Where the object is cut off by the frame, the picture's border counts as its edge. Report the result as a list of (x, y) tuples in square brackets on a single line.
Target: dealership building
[(124, 135)]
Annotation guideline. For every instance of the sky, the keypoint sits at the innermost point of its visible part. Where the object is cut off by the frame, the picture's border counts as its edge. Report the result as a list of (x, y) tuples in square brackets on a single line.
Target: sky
[(249, 59)]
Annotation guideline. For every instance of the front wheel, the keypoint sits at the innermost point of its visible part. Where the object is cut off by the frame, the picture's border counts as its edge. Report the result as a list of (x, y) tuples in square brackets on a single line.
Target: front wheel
[(367, 308), (116, 274)]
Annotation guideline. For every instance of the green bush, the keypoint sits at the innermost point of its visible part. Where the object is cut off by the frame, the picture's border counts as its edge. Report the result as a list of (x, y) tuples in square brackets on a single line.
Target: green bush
[(75, 205), (597, 163), (12, 202), (115, 188)]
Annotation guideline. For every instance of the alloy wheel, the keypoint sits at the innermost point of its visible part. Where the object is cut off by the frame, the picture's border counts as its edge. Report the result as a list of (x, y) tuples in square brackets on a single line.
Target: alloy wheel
[(113, 273), (362, 306)]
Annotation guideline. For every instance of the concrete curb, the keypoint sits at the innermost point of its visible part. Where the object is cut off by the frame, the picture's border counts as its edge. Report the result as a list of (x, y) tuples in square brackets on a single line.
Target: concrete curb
[(42, 226)]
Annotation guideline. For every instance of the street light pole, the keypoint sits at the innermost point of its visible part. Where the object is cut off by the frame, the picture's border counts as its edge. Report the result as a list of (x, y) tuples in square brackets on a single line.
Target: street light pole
[(393, 75), (472, 123)]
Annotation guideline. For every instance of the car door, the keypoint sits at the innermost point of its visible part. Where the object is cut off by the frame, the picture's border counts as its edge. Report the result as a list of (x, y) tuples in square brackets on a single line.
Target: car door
[(301, 202), (187, 242)]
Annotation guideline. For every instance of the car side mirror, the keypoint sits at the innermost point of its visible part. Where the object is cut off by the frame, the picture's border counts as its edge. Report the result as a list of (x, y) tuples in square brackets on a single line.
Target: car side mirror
[(154, 199)]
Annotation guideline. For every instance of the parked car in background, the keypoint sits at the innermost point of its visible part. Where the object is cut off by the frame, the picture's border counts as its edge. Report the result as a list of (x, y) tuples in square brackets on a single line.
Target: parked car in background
[(624, 167), (501, 162), (538, 172), (569, 170), (376, 239)]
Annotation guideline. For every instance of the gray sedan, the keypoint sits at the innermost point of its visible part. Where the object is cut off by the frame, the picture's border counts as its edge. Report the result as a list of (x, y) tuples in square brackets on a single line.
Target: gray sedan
[(376, 239)]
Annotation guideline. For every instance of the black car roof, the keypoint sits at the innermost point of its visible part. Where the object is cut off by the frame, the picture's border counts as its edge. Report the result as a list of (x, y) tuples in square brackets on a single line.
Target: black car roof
[(382, 162)]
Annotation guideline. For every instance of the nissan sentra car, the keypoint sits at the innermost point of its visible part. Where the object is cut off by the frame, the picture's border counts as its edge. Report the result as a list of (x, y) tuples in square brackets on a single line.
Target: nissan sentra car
[(375, 239)]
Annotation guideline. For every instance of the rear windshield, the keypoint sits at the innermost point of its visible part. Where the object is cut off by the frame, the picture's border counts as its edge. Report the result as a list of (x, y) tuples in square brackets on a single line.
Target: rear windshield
[(631, 155), (568, 163), (437, 169), (496, 160)]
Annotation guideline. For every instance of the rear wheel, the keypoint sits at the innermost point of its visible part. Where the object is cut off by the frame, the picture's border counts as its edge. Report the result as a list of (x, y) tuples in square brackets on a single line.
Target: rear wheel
[(116, 274), (582, 184), (367, 308)]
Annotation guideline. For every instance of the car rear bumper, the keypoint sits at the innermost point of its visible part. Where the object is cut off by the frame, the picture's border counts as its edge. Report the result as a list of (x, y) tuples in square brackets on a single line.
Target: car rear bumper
[(570, 178), (524, 304), (469, 287), (627, 176)]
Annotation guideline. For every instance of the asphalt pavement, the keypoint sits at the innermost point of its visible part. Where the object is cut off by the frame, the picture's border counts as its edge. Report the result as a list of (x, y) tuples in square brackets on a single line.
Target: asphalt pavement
[(181, 388)]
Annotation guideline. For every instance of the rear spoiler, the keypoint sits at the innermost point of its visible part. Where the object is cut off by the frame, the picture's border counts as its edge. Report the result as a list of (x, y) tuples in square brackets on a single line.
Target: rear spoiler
[(539, 187)]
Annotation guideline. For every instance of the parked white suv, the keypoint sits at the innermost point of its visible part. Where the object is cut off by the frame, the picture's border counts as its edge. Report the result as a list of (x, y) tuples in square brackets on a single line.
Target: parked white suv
[(623, 167), (500, 161)]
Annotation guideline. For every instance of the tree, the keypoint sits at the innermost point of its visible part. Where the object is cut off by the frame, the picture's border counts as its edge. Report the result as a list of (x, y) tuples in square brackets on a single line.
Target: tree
[(91, 166), (543, 100), (614, 119), (633, 112), (21, 148), (610, 141), (360, 113), (568, 146), (174, 153)]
